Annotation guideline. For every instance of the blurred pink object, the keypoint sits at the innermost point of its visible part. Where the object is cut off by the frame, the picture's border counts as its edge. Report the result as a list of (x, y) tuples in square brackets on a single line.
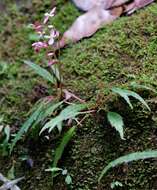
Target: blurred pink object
[(47, 15), (53, 34), (52, 62), (39, 45), (99, 13), (37, 27)]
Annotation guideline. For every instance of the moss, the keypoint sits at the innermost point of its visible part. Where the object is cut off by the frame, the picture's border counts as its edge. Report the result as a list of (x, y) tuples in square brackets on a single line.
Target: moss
[(117, 55)]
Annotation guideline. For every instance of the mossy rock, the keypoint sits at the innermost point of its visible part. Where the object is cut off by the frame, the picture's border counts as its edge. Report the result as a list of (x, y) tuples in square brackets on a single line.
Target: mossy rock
[(119, 54)]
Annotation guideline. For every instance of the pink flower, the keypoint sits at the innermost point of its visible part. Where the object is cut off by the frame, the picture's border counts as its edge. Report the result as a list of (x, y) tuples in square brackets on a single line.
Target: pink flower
[(39, 45), (47, 15), (53, 34), (37, 27), (50, 54), (52, 62)]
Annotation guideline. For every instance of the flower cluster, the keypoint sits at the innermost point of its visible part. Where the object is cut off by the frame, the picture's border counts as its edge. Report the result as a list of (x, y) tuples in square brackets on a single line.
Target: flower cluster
[(47, 35), (39, 45)]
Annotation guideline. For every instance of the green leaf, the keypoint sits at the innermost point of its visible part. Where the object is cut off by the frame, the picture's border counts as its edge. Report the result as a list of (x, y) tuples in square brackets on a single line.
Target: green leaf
[(117, 122), (126, 93), (48, 111), (115, 184), (11, 173), (64, 172), (60, 149), (54, 169), (57, 73), (72, 110), (25, 127), (7, 133), (40, 71), (40, 112), (68, 180), (139, 86), (128, 158), (69, 112)]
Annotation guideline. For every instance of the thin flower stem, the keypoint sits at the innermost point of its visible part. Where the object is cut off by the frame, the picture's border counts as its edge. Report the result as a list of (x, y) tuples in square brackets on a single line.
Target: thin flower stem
[(80, 122), (90, 111)]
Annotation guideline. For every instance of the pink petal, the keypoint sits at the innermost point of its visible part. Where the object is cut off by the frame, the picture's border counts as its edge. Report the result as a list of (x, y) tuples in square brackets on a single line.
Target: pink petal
[(50, 54), (39, 45), (46, 19), (51, 41), (52, 12), (52, 62)]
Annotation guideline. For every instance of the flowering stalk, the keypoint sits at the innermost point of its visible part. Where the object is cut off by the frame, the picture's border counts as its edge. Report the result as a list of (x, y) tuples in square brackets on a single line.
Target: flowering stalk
[(47, 36)]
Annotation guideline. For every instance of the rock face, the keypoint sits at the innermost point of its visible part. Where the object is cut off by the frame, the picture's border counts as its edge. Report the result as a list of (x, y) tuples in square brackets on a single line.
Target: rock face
[(105, 4), (99, 13), (87, 24)]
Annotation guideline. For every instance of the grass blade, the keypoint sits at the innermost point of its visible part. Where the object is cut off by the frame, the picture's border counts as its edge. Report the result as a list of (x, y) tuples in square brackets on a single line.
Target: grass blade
[(60, 149), (25, 127), (128, 158)]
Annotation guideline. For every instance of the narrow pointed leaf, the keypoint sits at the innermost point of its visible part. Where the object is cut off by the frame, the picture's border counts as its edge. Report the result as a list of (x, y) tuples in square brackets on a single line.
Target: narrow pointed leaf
[(54, 169), (25, 127), (123, 94), (72, 110), (60, 149), (69, 112), (117, 122), (7, 133), (50, 108), (128, 158), (139, 86), (139, 98), (40, 71), (126, 93), (40, 112), (59, 127)]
